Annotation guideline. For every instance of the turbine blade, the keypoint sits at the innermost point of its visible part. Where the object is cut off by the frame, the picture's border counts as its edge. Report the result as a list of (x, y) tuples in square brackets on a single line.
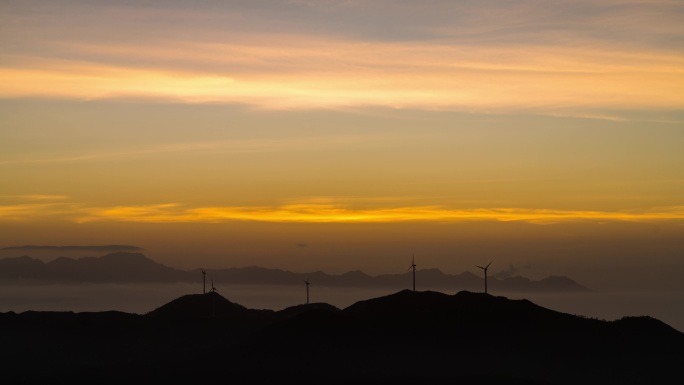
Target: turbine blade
[(490, 263), (480, 267)]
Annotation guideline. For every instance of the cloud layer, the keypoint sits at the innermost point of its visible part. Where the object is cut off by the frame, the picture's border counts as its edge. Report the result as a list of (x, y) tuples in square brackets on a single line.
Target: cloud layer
[(487, 56), (317, 212)]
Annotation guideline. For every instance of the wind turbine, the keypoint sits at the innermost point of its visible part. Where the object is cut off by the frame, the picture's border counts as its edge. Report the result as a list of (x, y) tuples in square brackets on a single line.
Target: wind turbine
[(213, 299), (204, 281), (485, 271), (413, 266), (307, 290)]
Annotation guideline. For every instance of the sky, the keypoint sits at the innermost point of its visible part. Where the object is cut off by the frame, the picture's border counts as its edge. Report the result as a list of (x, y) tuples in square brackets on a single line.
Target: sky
[(340, 135)]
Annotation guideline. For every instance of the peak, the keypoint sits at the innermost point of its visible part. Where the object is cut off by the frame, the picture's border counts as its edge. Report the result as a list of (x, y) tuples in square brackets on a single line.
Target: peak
[(21, 261), (470, 294), (211, 304), (62, 260)]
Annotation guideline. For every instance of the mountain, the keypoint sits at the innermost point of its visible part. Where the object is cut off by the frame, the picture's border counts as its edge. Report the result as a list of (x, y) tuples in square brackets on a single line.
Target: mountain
[(123, 267), (207, 306), (406, 337), (113, 267)]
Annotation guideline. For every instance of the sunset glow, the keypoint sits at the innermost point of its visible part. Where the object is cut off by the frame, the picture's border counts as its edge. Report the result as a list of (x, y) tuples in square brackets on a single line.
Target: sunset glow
[(321, 213), (438, 76), (235, 125)]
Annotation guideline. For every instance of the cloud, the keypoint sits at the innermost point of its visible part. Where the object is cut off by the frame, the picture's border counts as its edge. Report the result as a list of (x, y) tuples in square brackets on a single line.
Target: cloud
[(496, 57), (104, 248), (29, 211), (34, 197), (508, 272), (410, 76), (244, 146), (331, 212)]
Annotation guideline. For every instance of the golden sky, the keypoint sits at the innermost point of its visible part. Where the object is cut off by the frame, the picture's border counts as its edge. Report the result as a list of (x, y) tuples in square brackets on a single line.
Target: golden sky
[(368, 114)]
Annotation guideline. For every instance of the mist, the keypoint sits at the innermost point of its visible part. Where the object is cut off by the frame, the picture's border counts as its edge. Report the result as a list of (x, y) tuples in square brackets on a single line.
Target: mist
[(600, 256)]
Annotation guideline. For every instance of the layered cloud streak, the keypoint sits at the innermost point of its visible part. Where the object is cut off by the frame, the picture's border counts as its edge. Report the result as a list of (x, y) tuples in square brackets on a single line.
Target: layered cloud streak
[(491, 56), (317, 212)]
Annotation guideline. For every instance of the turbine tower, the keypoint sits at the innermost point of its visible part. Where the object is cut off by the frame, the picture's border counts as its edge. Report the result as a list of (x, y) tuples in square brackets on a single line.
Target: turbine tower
[(204, 281), (413, 266), (485, 271), (213, 299), (307, 290)]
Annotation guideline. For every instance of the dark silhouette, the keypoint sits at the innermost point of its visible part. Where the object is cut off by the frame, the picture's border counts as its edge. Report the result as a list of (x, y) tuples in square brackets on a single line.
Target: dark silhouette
[(213, 299), (413, 267), (307, 290), (204, 281), (462, 336), (465, 338), (485, 273)]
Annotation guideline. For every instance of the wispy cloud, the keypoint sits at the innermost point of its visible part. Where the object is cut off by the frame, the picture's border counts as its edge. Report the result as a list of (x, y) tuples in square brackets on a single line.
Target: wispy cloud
[(332, 74), (317, 211), (34, 197), (310, 143), (105, 248), (31, 211), (487, 56)]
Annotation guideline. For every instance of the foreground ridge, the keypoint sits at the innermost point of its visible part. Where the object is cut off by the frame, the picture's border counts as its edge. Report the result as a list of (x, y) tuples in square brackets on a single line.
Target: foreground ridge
[(403, 337)]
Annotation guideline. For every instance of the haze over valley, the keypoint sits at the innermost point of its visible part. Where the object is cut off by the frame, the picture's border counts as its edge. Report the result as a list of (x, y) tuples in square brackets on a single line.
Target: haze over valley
[(131, 282)]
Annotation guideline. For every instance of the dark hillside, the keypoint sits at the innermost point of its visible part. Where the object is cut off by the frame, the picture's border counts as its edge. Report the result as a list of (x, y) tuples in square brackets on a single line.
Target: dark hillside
[(406, 337)]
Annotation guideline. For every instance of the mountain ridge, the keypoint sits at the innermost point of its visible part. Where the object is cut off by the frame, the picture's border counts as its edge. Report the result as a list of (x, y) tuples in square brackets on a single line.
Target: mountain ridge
[(125, 267), (404, 337)]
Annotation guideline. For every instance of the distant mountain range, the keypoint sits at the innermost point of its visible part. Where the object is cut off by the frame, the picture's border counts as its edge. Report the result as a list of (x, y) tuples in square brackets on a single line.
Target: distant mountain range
[(124, 267), (408, 337)]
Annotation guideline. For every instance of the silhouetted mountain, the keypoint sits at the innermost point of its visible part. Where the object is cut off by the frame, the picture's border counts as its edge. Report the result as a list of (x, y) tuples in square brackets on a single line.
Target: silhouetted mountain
[(135, 267), (20, 268), (227, 319), (200, 306), (114, 267), (406, 337)]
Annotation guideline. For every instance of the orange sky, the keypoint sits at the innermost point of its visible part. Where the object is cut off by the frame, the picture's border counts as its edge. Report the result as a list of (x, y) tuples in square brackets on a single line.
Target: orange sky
[(490, 116)]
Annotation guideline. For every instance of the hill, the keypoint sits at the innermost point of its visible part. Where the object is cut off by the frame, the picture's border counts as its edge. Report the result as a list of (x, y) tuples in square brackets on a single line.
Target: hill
[(406, 337)]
